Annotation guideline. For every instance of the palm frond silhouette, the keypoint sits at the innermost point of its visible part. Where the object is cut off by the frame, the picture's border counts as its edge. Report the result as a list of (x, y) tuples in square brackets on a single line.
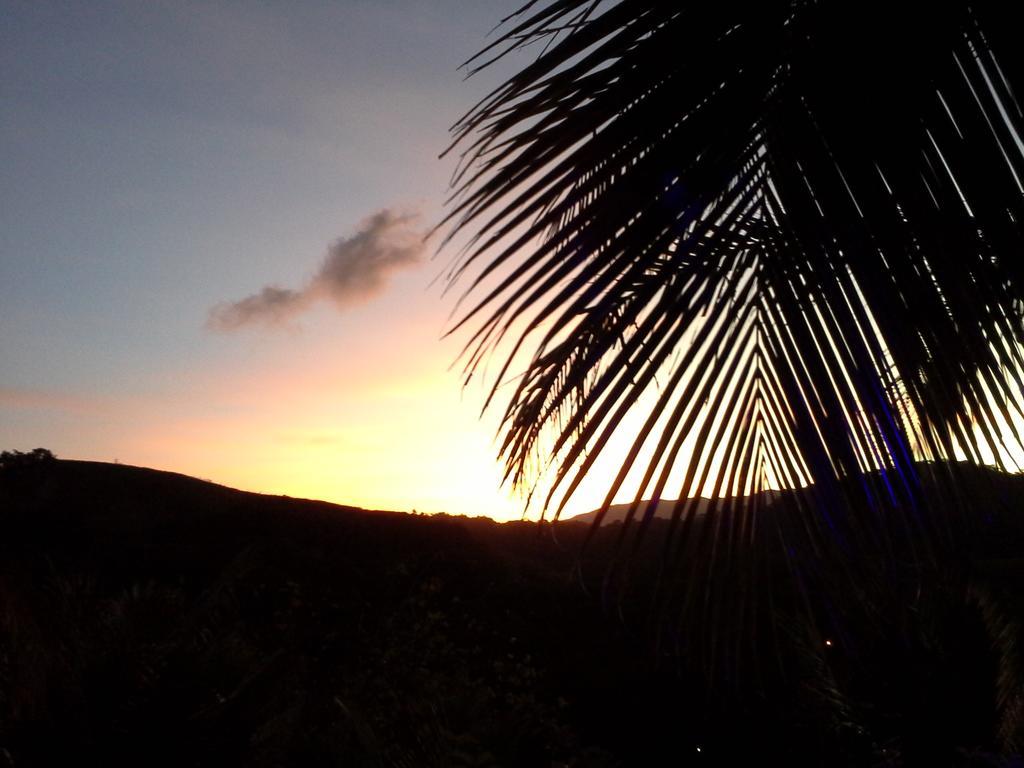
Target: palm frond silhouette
[(791, 232)]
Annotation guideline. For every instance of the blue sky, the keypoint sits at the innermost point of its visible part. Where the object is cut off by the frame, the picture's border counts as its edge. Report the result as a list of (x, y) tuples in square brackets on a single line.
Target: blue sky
[(164, 156)]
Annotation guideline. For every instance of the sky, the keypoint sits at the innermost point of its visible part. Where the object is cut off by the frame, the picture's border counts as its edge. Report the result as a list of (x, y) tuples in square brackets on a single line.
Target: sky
[(210, 245)]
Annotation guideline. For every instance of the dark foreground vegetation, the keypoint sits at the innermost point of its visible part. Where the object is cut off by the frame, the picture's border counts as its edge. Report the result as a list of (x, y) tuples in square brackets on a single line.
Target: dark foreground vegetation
[(148, 618)]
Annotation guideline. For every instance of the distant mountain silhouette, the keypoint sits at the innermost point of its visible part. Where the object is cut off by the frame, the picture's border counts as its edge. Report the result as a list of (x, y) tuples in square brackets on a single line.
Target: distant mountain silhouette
[(617, 512), (663, 511)]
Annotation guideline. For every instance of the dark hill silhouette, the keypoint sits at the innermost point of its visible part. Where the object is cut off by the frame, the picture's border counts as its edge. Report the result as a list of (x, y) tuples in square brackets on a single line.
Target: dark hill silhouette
[(146, 615), (150, 617)]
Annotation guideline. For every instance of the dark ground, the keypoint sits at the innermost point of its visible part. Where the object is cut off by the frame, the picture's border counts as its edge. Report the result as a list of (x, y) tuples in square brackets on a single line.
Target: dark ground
[(148, 618)]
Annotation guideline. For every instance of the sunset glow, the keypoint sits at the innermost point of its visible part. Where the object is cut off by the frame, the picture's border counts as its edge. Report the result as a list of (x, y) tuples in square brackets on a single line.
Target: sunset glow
[(174, 158), (194, 281)]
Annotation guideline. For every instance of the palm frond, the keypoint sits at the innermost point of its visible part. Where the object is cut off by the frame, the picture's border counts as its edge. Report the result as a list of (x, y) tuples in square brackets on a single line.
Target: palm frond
[(805, 217)]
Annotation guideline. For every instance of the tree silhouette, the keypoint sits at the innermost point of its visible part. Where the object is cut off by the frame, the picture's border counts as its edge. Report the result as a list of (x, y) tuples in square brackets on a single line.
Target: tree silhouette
[(21, 460), (790, 233)]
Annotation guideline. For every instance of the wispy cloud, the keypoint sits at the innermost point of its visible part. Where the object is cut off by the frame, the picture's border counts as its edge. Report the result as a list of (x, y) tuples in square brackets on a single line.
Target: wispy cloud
[(44, 400), (355, 269)]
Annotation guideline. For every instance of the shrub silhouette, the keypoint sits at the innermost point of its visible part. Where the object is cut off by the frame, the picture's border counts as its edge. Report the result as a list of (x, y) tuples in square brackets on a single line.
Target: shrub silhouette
[(13, 460)]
